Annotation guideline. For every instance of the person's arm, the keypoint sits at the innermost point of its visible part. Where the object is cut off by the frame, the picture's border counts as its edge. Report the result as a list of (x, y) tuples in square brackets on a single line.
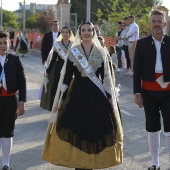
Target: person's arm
[(43, 48), (123, 36), (22, 89), (131, 31), (138, 75)]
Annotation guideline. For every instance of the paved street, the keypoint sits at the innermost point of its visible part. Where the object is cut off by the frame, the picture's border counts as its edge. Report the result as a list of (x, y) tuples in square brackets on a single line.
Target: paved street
[(31, 128)]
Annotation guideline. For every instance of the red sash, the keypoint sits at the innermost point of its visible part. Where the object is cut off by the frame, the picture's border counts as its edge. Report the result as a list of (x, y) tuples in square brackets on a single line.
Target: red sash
[(154, 86), (5, 93)]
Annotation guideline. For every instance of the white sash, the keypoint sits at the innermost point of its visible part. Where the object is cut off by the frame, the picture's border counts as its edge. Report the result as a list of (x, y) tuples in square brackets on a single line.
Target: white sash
[(60, 51), (88, 69)]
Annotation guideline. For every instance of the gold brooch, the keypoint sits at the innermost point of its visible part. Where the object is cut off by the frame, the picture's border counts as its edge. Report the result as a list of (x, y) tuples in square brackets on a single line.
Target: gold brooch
[(80, 57)]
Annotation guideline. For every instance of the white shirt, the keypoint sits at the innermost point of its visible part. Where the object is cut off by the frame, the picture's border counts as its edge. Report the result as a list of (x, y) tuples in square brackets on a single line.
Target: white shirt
[(158, 66), (119, 42), (55, 36), (125, 42), (133, 32), (2, 60)]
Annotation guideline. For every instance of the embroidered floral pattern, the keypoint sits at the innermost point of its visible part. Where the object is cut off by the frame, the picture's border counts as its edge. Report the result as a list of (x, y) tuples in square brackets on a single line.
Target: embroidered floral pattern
[(95, 60)]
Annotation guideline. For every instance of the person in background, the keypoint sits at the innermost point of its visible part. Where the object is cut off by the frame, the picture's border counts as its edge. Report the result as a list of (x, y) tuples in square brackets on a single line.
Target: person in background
[(144, 34), (125, 46), (118, 35), (152, 84), (63, 43), (22, 44), (12, 85), (48, 40), (38, 41), (113, 55), (133, 36), (97, 29), (12, 34), (102, 42)]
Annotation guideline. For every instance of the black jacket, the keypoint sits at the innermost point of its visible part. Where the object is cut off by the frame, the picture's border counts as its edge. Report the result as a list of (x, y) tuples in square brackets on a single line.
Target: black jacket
[(11, 33), (47, 43), (15, 76), (145, 61)]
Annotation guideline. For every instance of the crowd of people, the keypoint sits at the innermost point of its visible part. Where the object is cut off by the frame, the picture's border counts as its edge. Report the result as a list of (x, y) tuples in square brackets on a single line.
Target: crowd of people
[(85, 126)]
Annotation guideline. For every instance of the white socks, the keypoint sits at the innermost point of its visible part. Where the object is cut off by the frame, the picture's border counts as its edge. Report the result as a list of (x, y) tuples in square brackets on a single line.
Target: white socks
[(6, 144), (168, 147), (154, 143)]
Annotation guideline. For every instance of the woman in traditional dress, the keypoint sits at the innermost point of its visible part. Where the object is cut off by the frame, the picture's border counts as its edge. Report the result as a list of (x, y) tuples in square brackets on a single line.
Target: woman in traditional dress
[(55, 63), (86, 132), (21, 45)]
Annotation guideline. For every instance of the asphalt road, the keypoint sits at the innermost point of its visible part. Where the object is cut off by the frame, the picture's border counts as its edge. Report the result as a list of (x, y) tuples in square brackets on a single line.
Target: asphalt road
[(31, 128)]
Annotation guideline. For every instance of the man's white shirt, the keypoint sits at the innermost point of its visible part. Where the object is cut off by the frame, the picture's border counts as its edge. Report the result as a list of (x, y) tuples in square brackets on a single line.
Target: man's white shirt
[(133, 32), (55, 36)]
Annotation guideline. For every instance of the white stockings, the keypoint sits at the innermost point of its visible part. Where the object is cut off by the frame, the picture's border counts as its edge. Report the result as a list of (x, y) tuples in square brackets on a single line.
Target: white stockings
[(6, 145), (154, 143), (168, 147)]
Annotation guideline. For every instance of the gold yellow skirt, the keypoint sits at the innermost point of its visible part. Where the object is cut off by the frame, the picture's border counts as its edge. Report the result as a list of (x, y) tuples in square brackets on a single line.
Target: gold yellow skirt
[(61, 153)]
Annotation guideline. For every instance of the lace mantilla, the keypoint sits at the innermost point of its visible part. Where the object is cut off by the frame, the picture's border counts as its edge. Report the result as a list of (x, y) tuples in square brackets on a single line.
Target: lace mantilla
[(95, 60), (63, 48)]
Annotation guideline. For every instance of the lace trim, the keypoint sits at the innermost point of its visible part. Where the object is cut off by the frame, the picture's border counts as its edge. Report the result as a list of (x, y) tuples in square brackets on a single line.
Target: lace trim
[(63, 48), (106, 81), (88, 147), (67, 135), (95, 60)]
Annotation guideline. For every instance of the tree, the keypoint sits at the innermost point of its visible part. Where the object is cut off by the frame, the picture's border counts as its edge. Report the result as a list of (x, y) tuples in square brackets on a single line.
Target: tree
[(106, 6), (31, 21), (44, 21), (9, 20), (119, 9)]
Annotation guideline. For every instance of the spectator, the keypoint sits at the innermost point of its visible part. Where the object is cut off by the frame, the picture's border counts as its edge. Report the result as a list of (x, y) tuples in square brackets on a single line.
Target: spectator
[(125, 45), (144, 34), (118, 35), (38, 41), (113, 55), (133, 36), (11, 33)]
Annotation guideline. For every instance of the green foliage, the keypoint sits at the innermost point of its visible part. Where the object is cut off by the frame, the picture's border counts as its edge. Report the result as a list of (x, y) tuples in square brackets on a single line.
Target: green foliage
[(107, 12), (119, 9), (44, 21), (31, 21), (9, 20)]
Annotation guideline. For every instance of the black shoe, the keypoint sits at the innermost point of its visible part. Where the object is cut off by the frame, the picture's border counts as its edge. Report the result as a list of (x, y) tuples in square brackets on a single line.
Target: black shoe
[(153, 167), (6, 167)]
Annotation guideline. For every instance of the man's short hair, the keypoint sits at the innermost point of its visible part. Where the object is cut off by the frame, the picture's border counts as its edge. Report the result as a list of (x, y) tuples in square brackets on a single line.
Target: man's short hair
[(157, 12), (131, 16), (4, 34), (55, 21), (120, 22), (144, 32)]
